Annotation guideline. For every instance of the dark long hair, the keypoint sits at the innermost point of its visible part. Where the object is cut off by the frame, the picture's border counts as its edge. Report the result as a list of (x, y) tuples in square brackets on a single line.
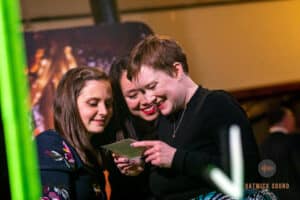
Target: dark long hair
[(67, 120), (118, 67)]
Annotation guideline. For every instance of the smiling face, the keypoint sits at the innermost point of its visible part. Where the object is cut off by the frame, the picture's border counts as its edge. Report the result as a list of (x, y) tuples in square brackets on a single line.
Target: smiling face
[(136, 102), (161, 89), (94, 105)]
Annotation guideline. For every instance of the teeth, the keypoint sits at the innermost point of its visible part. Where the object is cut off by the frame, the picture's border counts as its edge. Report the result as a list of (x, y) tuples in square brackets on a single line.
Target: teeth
[(148, 109), (158, 103)]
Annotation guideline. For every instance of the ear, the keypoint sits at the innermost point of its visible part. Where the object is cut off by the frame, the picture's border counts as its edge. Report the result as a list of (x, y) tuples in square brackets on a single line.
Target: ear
[(178, 70)]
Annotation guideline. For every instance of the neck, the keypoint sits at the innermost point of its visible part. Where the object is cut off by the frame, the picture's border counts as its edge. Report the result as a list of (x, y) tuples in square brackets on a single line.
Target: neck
[(191, 88), (139, 120)]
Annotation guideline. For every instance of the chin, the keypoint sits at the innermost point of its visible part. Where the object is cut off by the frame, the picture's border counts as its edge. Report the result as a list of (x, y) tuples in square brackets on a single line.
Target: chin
[(96, 130), (166, 111), (149, 118)]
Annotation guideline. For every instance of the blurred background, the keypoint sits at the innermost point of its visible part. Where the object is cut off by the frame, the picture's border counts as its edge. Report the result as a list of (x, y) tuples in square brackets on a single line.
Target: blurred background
[(250, 48)]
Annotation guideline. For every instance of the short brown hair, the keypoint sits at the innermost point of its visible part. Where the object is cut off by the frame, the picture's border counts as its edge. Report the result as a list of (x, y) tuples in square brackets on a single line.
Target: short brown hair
[(159, 52)]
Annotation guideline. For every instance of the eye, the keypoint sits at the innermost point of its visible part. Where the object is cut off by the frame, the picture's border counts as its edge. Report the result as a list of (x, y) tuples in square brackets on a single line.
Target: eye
[(151, 86), (132, 95), (92, 103)]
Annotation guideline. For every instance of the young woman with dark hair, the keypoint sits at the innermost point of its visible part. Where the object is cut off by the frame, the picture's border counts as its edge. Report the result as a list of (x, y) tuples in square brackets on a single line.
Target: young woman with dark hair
[(135, 118)]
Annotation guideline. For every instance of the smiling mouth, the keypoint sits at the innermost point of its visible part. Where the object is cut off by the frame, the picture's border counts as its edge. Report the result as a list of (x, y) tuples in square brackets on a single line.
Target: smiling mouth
[(100, 122), (150, 110)]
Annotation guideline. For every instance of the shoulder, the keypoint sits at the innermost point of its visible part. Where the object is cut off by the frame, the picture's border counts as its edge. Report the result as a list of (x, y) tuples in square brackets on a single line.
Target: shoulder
[(203, 93), (211, 100), (219, 95), (220, 98), (221, 105), (48, 137), (294, 140), (54, 152)]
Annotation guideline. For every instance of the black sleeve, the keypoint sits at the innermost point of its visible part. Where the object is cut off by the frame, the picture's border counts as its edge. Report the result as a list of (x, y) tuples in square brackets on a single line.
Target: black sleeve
[(294, 148), (56, 165)]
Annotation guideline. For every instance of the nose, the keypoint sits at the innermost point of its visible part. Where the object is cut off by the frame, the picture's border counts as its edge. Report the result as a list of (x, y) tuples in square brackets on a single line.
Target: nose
[(148, 98), (102, 109)]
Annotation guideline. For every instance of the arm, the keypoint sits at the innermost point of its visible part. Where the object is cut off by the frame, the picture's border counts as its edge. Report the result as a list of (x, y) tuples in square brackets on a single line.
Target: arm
[(132, 167), (294, 149), (158, 153), (129, 167), (56, 165), (219, 112), (55, 184)]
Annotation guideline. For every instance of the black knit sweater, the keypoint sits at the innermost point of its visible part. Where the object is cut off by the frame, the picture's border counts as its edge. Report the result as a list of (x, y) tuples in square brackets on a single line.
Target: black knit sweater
[(202, 139)]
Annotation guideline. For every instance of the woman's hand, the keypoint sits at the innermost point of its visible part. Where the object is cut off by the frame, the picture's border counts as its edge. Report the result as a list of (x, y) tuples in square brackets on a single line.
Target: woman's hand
[(158, 153), (129, 167)]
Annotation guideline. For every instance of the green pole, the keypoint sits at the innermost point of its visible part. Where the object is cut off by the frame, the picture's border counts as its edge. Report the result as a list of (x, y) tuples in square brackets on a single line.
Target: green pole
[(21, 151)]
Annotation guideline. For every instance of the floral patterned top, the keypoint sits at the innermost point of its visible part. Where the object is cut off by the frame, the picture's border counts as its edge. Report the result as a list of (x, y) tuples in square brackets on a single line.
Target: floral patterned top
[(63, 174)]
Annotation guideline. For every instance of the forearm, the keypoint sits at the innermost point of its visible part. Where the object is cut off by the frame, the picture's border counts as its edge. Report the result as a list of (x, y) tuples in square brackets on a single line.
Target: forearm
[(193, 163), (56, 183)]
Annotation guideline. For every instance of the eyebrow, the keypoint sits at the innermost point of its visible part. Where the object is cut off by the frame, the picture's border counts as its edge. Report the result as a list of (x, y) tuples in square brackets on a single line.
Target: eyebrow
[(92, 98), (132, 90), (151, 83)]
